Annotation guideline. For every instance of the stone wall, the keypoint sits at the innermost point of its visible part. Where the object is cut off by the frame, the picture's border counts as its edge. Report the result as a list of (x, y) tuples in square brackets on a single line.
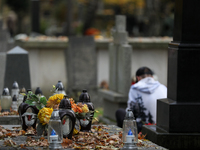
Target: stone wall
[(47, 60)]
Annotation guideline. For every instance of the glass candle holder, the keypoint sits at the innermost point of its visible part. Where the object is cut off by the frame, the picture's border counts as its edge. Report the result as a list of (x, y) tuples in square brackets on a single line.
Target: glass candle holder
[(55, 135), (130, 133)]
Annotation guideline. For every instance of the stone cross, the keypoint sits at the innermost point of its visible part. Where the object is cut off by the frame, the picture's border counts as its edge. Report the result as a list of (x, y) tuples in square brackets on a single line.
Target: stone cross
[(119, 58), (119, 70), (17, 68)]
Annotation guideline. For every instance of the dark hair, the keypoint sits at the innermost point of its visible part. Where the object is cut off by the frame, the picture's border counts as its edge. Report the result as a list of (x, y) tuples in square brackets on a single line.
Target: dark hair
[(144, 71)]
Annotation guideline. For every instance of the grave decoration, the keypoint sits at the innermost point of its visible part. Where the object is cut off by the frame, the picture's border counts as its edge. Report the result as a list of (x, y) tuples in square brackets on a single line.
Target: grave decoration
[(6, 100), (36, 106), (60, 88), (44, 114), (67, 116), (130, 133), (28, 110), (55, 133), (86, 117)]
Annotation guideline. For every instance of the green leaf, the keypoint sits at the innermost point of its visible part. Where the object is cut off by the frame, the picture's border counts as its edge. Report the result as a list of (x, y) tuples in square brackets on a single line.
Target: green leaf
[(30, 102), (43, 100)]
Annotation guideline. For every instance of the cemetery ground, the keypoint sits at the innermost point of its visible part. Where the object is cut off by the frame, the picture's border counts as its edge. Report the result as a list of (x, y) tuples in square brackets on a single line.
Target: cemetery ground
[(103, 135)]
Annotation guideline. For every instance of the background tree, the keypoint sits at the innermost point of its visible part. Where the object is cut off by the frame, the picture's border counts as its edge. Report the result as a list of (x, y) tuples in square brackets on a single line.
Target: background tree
[(21, 8)]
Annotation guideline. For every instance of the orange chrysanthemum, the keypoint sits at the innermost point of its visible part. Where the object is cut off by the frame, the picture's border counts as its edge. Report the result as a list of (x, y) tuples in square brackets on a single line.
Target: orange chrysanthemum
[(80, 108)]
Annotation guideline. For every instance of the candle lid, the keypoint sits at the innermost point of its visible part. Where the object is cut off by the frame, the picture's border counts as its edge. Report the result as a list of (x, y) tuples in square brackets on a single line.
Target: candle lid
[(6, 91), (65, 103), (15, 85), (59, 86), (129, 114), (84, 97)]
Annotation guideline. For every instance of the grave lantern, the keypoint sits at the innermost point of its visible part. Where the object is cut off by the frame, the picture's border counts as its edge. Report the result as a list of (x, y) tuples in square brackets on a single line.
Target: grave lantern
[(28, 115), (67, 116), (14, 105), (15, 90), (86, 122), (21, 96), (38, 91), (6, 100), (130, 133), (60, 88), (55, 135)]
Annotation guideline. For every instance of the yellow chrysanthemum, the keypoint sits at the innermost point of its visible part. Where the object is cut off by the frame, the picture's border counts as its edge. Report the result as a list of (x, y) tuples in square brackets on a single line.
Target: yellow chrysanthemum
[(54, 100), (44, 115)]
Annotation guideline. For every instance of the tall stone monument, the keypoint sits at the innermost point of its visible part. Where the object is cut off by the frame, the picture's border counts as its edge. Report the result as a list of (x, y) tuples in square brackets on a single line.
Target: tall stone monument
[(178, 115), (17, 68), (119, 70)]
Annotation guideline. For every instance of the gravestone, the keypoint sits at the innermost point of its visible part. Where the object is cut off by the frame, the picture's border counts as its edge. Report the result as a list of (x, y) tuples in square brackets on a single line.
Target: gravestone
[(17, 68), (81, 63), (119, 70), (2, 70), (3, 48), (178, 115)]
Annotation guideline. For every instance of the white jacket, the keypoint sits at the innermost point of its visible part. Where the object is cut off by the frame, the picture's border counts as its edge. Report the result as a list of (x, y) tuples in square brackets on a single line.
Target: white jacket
[(143, 99)]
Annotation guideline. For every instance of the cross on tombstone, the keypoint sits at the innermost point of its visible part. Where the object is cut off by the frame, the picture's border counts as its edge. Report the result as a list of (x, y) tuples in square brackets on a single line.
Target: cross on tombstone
[(119, 70), (178, 115), (17, 68)]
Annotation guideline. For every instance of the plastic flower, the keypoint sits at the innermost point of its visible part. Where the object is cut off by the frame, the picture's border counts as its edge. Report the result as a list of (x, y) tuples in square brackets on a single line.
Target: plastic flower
[(44, 115), (54, 100)]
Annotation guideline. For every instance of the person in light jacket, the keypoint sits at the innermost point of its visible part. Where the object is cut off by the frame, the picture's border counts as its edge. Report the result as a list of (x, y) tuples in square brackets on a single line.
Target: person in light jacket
[(142, 98)]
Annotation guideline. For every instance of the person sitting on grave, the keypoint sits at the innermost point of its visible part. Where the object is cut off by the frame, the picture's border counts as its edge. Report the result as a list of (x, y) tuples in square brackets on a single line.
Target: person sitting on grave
[(142, 98)]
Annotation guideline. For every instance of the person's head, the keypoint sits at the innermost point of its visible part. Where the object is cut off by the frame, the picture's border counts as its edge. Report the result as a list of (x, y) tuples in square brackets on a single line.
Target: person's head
[(143, 72)]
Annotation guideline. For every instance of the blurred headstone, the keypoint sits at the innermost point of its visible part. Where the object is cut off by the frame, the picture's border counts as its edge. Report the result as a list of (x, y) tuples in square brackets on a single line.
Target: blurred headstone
[(3, 48), (17, 68), (119, 70), (2, 70), (81, 60)]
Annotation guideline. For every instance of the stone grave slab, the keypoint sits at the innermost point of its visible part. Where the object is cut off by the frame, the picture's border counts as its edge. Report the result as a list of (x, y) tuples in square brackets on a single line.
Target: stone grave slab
[(10, 120)]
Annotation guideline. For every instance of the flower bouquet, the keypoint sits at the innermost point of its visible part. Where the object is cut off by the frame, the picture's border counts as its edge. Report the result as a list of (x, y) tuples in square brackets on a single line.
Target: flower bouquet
[(84, 116), (81, 110), (44, 114)]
